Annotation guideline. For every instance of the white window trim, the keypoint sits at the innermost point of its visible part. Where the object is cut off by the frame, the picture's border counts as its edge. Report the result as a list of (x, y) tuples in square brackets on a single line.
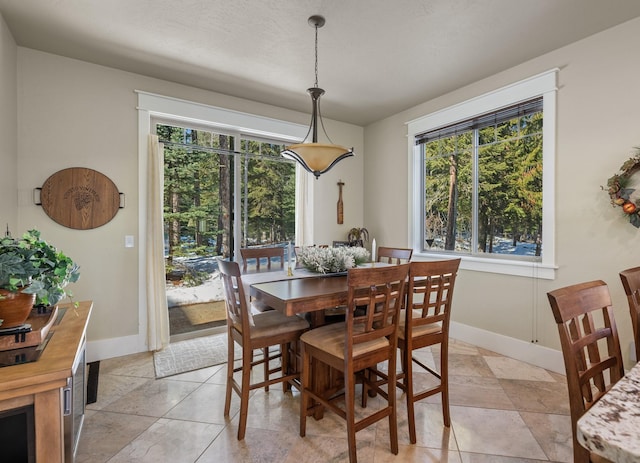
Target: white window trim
[(544, 85)]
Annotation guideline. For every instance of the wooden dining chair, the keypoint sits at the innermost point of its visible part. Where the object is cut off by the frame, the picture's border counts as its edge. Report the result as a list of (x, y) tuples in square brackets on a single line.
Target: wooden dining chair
[(352, 346), (586, 324), (252, 332), (272, 254), (425, 323), (631, 283), (394, 255)]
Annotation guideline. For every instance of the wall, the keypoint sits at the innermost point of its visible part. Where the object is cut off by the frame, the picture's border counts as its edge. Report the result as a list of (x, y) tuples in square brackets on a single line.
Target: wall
[(76, 114), (8, 130), (598, 127)]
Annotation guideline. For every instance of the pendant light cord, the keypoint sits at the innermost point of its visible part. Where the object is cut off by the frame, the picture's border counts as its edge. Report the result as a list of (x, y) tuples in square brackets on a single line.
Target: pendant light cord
[(316, 27)]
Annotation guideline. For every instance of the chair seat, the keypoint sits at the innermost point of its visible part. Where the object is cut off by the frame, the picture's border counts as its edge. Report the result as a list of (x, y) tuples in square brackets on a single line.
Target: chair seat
[(259, 306), (273, 323), (420, 330), (331, 339)]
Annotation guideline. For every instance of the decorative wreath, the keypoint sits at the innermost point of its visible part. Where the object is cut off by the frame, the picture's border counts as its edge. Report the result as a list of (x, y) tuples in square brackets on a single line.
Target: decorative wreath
[(620, 194)]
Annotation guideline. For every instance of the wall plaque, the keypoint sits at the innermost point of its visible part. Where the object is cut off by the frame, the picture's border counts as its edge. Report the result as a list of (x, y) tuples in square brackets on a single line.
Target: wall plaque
[(79, 198)]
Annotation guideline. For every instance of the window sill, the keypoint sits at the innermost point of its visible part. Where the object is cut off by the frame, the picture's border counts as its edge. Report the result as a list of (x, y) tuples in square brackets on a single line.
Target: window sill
[(504, 267)]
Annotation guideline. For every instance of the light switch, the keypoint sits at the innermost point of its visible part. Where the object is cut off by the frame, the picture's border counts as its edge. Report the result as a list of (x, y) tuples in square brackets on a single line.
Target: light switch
[(128, 241)]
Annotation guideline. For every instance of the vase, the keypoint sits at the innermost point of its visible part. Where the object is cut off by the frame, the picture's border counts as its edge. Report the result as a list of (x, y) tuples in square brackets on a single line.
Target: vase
[(15, 308)]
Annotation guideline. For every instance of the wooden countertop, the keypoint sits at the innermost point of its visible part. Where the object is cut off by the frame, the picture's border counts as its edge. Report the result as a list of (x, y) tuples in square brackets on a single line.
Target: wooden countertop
[(56, 362)]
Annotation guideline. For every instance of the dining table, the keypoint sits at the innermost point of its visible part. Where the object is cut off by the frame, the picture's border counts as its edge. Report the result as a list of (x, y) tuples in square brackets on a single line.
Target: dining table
[(302, 292), (611, 427)]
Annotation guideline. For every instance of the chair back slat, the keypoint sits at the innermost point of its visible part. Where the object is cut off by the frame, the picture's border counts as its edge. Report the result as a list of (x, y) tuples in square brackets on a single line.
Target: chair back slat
[(375, 297), (235, 301), (430, 293), (271, 254), (394, 255)]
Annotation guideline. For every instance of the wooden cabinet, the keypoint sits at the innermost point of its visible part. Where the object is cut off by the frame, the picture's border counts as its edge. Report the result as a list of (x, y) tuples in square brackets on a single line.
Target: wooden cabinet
[(42, 383)]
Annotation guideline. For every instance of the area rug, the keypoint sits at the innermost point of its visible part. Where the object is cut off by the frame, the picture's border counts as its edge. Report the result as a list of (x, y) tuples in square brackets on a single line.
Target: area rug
[(192, 354)]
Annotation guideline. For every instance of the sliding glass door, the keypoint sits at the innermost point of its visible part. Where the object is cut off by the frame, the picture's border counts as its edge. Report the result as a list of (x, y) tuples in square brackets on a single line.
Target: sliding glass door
[(210, 178)]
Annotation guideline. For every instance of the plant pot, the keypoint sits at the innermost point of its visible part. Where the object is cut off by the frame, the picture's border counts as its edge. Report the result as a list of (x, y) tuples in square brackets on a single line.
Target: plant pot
[(15, 308)]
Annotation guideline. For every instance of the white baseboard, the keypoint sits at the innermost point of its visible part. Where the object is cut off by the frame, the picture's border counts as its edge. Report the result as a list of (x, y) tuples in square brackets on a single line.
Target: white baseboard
[(534, 354), (114, 347), (540, 356)]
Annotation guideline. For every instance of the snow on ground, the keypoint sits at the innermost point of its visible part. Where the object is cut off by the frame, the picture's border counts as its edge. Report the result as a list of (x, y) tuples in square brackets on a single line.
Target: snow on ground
[(210, 290)]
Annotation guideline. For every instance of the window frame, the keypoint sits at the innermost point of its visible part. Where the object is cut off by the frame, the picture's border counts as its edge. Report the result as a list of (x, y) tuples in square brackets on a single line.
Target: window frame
[(542, 85)]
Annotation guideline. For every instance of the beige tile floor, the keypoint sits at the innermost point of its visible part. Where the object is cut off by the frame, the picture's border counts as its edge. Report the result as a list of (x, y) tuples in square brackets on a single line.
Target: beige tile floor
[(502, 411)]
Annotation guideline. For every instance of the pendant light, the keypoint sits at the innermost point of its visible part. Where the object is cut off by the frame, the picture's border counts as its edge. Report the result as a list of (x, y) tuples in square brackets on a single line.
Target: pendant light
[(315, 157)]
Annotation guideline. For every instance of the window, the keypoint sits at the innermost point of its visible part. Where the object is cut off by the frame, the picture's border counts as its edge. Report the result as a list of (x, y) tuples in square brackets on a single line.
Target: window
[(201, 168), (482, 183)]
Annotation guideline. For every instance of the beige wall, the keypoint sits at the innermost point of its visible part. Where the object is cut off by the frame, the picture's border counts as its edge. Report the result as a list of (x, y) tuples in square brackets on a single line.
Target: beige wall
[(598, 124), (8, 130), (72, 113), (76, 114)]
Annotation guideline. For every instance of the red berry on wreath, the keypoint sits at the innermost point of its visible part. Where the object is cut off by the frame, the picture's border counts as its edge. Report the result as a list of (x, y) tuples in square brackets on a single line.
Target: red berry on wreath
[(629, 208)]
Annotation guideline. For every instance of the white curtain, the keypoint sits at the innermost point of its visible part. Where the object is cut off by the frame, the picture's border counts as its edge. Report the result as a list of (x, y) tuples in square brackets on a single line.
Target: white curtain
[(304, 208), (157, 310)]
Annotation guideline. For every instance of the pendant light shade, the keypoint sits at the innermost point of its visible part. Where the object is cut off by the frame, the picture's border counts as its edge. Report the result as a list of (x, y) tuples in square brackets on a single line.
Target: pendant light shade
[(315, 157)]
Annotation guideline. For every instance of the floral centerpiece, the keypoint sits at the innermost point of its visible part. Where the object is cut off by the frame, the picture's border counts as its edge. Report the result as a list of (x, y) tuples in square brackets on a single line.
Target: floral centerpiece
[(332, 260)]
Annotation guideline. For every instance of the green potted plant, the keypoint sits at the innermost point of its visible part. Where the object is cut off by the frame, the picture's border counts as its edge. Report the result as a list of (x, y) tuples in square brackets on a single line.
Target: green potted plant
[(32, 269)]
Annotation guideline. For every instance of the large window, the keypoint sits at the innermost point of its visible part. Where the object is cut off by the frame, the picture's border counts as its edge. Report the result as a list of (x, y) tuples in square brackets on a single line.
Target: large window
[(483, 183), (480, 180)]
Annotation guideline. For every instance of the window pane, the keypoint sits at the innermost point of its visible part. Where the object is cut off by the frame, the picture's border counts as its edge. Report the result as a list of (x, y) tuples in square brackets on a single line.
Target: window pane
[(268, 195), (448, 185), (508, 217)]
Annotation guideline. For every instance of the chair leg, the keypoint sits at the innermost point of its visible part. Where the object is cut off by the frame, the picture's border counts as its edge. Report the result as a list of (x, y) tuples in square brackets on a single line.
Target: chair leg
[(244, 394), (349, 398), (305, 380), (444, 383), (285, 366), (265, 353), (230, 366), (408, 386), (391, 402)]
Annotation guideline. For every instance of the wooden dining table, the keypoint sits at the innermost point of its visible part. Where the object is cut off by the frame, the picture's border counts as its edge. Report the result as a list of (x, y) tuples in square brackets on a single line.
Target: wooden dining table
[(295, 296), (611, 427)]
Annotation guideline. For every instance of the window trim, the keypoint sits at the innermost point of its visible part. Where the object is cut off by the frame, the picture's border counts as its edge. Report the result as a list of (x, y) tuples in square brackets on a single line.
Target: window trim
[(543, 85)]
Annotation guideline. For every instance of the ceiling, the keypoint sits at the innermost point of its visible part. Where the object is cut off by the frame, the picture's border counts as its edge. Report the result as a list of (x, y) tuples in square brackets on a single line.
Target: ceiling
[(375, 57)]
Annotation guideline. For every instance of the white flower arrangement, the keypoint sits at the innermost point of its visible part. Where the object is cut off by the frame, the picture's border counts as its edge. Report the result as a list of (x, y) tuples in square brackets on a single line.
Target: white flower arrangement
[(332, 260)]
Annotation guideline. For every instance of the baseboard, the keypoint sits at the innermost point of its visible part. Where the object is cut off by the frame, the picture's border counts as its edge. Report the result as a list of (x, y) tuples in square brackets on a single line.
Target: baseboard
[(534, 354), (114, 347), (540, 356)]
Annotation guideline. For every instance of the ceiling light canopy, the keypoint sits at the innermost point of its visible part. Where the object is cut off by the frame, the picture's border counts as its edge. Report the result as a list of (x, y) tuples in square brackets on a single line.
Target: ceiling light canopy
[(315, 157)]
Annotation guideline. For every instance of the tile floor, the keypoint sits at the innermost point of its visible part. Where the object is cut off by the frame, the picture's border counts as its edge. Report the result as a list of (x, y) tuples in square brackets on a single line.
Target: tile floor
[(502, 411)]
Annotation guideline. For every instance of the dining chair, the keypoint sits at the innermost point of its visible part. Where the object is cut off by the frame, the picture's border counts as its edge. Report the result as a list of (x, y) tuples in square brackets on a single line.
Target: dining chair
[(271, 254), (631, 283), (585, 320), (255, 332), (394, 255), (424, 322), (361, 341)]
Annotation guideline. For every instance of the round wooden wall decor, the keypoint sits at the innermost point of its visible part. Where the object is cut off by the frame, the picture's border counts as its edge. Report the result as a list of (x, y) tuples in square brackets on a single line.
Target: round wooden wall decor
[(80, 198)]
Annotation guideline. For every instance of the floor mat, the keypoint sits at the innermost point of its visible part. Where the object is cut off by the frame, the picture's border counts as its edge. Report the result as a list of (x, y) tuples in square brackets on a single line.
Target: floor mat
[(205, 312), (192, 354)]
